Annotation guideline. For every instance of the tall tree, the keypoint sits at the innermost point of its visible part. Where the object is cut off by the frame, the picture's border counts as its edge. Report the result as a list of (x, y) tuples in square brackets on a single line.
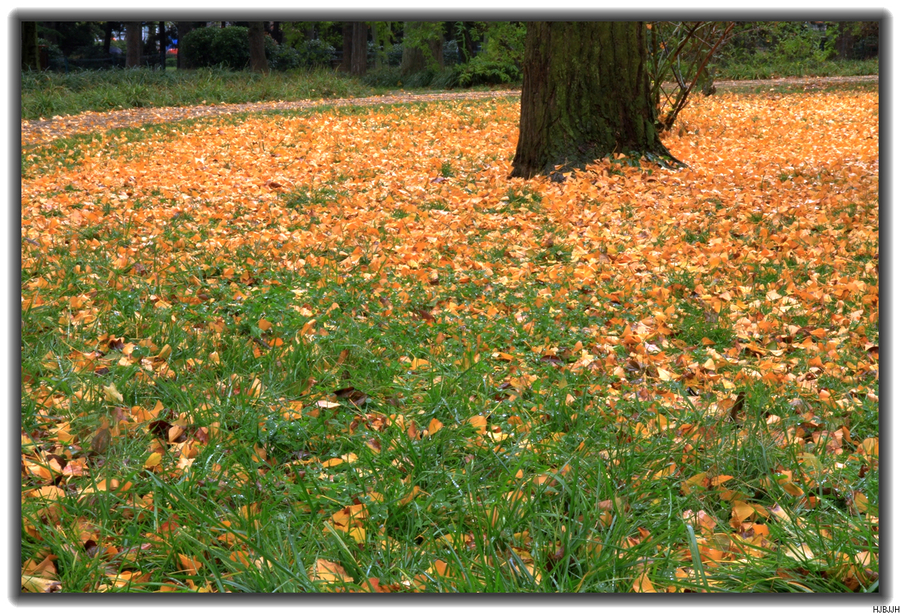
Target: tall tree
[(585, 94), (359, 49), (419, 36), (182, 28), (31, 56), (133, 42), (107, 36), (256, 32), (347, 45), (163, 40)]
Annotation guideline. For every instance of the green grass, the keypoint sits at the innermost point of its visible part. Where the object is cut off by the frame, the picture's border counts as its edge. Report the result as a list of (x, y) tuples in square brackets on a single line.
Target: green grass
[(46, 94), (466, 512), (572, 490), (769, 68)]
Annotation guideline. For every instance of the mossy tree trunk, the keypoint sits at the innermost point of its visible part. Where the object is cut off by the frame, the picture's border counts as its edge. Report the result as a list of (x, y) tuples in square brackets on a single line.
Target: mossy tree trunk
[(585, 95)]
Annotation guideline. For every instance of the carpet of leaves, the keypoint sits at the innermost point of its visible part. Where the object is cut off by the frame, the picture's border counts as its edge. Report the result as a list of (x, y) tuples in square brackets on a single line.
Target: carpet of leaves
[(680, 290)]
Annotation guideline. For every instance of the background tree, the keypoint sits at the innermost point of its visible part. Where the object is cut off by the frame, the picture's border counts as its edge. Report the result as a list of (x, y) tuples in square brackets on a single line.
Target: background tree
[(359, 48), (256, 33), (423, 46), (163, 39), (347, 45), (585, 95), (31, 57), (183, 27), (133, 43), (466, 34)]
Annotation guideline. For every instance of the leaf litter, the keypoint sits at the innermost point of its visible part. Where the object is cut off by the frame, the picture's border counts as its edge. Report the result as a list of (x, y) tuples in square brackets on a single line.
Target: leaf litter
[(171, 276)]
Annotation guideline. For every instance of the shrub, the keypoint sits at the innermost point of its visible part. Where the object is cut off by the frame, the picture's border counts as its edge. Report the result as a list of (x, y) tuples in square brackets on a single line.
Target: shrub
[(483, 70), (229, 47), (314, 53)]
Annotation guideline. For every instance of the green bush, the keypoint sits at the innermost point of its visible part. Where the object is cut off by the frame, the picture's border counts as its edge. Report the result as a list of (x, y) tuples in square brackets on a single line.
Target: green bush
[(760, 49), (313, 53), (230, 48), (483, 70), (201, 49)]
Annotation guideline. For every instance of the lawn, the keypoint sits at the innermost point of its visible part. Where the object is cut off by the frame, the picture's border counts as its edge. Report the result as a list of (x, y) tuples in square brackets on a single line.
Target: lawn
[(339, 350)]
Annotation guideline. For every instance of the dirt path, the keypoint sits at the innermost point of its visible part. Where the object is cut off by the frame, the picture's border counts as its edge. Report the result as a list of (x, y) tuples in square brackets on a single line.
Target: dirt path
[(45, 130), (38, 131)]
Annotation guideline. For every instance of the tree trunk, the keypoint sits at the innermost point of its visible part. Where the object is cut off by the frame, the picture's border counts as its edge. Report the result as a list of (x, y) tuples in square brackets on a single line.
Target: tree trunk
[(133, 44), (414, 59), (347, 47), (256, 34), (465, 42), (162, 45), (183, 27), (844, 38), (276, 32), (359, 48), (31, 56), (585, 94), (107, 36)]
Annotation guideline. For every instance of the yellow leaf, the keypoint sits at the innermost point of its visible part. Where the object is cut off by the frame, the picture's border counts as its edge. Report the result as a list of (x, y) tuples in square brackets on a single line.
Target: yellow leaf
[(434, 426), (739, 513), (418, 364), (479, 422), (37, 584), (642, 584), (410, 495), (153, 460), (328, 571), (48, 493), (870, 446), (165, 352), (112, 395), (720, 479), (189, 564)]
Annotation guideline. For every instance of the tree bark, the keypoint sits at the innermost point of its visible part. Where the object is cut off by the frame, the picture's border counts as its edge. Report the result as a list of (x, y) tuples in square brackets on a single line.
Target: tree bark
[(414, 59), (276, 32), (161, 32), (107, 36), (183, 27), (133, 44), (359, 48), (31, 56), (585, 95), (347, 47), (256, 34)]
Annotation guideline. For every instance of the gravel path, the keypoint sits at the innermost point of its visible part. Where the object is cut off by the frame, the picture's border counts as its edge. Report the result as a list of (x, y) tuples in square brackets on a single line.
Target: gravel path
[(45, 130)]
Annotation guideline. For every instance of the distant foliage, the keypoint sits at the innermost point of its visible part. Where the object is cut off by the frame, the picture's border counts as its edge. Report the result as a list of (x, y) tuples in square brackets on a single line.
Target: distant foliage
[(784, 40), (230, 48), (500, 58)]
